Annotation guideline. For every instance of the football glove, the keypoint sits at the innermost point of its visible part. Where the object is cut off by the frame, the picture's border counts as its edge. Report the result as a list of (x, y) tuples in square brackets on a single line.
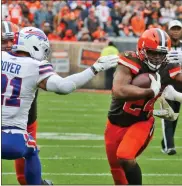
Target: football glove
[(174, 57), (155, 84), (166, 111), (171, 94), (105, 63)]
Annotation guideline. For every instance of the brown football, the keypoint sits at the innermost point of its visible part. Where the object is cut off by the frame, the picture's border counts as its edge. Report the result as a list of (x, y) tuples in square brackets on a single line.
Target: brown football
[(143, 80)]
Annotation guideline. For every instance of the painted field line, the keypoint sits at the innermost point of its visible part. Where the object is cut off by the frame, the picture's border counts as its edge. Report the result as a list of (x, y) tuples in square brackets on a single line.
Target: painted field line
[(95, 158), (77, 109), (91, 146), (95, 174)]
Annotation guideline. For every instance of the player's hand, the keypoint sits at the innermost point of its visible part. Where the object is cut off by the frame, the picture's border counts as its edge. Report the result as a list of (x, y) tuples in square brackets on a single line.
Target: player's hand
[(155, 84), (171, 94), (174, 57), (166, 111), (106, 62)]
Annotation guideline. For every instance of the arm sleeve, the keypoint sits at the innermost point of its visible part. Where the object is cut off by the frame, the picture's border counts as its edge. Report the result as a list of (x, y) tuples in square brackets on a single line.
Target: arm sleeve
[(67, 85)]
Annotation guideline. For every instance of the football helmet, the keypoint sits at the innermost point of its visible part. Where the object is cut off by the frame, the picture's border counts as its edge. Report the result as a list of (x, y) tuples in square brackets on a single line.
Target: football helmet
[(153, 46), (8, 32), (33, 41)]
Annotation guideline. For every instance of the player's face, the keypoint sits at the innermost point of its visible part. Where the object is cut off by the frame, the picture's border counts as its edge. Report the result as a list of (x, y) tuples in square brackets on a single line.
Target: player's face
[(175, 32), (6, 44), (155, 57)]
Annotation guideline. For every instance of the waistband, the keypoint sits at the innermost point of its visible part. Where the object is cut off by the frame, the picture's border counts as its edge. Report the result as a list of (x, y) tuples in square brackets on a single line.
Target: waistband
[(10, 127)]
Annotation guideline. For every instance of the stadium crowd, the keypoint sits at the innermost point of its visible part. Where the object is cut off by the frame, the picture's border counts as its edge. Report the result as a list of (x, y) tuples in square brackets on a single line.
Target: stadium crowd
[(91, 20)]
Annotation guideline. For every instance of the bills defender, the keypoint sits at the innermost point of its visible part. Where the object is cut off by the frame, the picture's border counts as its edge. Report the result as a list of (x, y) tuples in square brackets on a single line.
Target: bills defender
[(8, 31), (24, 70)]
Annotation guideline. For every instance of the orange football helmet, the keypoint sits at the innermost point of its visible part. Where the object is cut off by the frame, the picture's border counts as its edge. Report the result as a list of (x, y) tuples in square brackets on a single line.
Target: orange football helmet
[(152, 47), (8, 32)]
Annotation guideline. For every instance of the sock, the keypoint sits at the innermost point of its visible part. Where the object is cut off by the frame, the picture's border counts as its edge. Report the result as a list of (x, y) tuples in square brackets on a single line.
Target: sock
[(33, 170), (119, 176), (134, 175)]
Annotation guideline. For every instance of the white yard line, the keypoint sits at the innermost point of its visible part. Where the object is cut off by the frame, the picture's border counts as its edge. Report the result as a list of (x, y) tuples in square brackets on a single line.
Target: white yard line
[(91, 146), (102, 158), (95, 174)]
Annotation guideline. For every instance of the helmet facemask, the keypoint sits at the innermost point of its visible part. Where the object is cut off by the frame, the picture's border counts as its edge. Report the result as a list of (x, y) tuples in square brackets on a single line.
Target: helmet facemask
[(154, 58)]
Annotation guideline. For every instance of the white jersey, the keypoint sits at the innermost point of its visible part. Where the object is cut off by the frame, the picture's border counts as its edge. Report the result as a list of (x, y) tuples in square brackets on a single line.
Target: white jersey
[(19, 79)]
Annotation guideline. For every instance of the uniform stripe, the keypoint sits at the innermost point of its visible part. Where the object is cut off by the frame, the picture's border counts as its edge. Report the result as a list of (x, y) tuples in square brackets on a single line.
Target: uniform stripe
[(46, 65), (160, 37), (134, 69), (45, 71), (173, 72)]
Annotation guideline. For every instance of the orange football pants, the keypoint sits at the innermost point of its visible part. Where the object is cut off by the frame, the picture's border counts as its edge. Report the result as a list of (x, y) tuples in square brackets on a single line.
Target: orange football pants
[(19, 163), (126, 143)]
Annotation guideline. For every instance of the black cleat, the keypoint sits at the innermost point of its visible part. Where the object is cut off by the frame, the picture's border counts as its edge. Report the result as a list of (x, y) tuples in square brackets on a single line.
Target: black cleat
[(170, 151), (46, 182)]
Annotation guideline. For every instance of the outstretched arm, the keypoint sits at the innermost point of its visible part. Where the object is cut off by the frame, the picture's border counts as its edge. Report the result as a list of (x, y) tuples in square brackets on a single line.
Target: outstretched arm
[(60, 85)]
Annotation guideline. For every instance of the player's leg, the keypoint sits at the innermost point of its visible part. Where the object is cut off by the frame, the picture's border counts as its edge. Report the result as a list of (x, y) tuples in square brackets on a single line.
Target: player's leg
[(133, 143), (20, 163), (17, 144), (113, 136), (169, 127)]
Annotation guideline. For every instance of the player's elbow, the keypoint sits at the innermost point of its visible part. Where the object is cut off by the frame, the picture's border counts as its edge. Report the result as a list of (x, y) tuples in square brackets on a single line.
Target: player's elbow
[(119, 93), (66, 88)]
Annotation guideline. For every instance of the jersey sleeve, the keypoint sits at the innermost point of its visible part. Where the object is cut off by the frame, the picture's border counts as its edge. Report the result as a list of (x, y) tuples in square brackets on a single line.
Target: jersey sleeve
[(45, 69), (174, 70), (129, 60)]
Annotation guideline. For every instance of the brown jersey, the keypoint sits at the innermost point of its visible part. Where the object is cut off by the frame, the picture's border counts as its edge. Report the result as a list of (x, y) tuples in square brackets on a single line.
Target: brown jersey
[(32, 116), (125, 113)]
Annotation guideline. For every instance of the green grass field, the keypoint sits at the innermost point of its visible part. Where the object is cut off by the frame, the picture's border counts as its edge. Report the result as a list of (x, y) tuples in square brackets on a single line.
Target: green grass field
[(70, 135)]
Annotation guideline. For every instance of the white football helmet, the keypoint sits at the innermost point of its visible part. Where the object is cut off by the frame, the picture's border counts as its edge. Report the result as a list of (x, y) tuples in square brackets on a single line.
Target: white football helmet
[(33, 41)]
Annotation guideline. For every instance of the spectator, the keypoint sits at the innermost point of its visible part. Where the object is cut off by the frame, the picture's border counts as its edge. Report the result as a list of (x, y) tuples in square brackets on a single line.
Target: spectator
[(125, 30), (83, 35), (50, 17), (40, 16), (99, 34), (138, 24), (15, 13), (69, 36), (54, 36), (103, 13), (167, 13), (46, 28), (109, 28), (5, 11), (92, 22)]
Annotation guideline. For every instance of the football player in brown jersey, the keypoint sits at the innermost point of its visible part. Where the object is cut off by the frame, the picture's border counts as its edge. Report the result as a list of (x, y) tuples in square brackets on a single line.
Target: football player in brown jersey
[(130, 124)]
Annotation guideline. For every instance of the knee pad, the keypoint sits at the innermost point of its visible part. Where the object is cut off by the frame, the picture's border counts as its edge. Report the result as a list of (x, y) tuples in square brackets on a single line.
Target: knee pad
[(127, 164)]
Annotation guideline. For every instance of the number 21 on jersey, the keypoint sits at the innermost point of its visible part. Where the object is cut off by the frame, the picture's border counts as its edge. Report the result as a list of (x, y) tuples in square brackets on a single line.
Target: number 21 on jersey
[(13, 100)]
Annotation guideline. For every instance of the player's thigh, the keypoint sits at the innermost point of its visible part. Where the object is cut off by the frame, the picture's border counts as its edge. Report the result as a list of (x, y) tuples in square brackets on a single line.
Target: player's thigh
[(113, 136), (136, 139), (17, 145), (32, 129)]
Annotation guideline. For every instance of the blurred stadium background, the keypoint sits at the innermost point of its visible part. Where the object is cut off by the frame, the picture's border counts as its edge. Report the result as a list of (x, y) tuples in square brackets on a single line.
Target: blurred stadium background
[(71, 128)]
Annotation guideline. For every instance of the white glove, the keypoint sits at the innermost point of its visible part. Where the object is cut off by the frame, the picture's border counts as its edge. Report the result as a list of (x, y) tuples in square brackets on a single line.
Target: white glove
[(166, 111), (105, 63), (174, 57), (155, 84), (171, 94)]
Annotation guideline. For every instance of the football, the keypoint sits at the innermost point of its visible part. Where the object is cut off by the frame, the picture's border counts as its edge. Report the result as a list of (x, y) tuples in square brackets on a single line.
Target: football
[(143, 80)]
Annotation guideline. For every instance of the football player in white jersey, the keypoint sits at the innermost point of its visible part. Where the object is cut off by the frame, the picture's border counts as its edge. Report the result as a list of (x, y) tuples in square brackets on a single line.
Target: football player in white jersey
[(8, 31), (24, 70)]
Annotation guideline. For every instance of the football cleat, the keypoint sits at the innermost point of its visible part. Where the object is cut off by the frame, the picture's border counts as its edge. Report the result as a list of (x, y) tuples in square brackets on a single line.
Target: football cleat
[(46, 182), (170, 151)]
